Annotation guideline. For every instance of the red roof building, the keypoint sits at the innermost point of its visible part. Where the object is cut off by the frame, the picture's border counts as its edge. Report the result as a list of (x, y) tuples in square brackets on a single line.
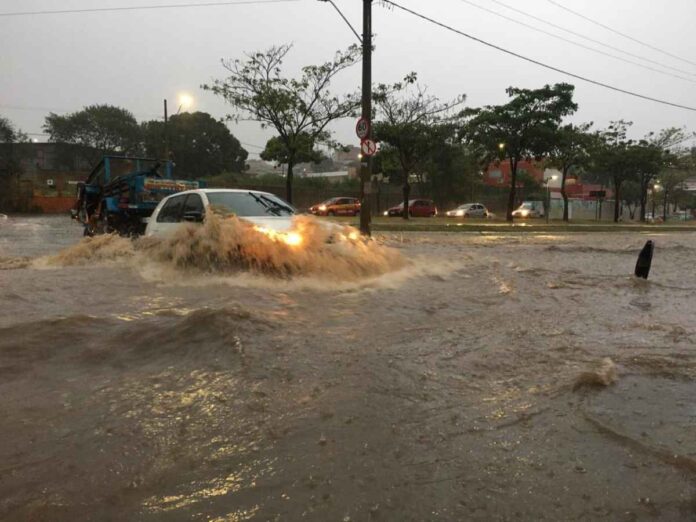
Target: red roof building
[(498, 174)]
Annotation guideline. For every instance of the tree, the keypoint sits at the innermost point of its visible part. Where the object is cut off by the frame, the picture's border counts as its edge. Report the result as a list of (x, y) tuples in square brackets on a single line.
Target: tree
[(615, 159), (570, 151), (295, 108), (9, 133), (647, 160), (630, 196), (655, 151), (200, 145), (10, 158), (524, 127), (99, 130), (409, 121), (277, 150)]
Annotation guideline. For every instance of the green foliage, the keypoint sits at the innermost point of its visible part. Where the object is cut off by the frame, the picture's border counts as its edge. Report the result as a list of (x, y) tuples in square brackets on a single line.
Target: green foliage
[(417, 132), (11, 134), (524, 127), (571, 151), (278, 150), (256, 90), (199, 144), (99, 129)]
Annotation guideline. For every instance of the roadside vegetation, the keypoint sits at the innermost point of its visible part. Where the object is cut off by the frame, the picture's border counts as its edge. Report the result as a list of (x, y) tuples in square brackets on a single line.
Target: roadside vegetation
[(437, 149)]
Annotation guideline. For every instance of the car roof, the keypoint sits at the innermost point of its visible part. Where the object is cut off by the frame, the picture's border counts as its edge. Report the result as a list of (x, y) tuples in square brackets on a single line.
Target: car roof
[(217, 190)]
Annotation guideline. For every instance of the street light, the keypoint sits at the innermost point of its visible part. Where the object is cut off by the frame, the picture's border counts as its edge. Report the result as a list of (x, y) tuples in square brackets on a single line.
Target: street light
[(655, 188), (185, 102), (554, 177)]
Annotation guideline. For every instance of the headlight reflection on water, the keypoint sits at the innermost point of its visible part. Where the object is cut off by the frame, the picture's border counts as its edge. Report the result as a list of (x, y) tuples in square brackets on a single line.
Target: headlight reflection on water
[(293, 239)]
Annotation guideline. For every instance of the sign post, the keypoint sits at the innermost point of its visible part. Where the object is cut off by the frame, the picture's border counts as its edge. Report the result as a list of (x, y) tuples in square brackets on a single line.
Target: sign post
[(368, 148), (362, 129)]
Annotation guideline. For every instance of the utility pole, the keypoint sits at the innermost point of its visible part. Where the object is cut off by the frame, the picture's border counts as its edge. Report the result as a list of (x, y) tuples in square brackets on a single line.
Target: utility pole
[(166, 132), (366, 161)]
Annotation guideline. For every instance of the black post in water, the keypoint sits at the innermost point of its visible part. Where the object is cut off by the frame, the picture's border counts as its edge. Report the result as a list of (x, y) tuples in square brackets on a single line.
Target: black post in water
[(644, 260), (366, 161)]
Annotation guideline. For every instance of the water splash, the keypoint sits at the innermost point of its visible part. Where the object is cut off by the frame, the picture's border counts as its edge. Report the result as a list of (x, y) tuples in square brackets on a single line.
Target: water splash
[(230, 245)]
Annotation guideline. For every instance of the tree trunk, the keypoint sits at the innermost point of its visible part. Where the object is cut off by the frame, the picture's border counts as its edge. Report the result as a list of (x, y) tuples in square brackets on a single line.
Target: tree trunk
[(617, 199), (564, 195), (513, 188), (407, 195), (288, 183), (644, 183), (664, 205)]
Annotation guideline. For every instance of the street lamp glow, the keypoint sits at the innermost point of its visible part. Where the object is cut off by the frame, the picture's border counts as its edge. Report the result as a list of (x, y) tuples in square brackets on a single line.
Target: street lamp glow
[(501, 146), (185, 101), (554, 177)]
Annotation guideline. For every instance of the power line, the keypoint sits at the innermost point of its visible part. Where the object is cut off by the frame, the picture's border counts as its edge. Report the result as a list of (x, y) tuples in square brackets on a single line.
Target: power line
[(584, 37), (536, 62), (583, 46), (600, 24), (143, 7)]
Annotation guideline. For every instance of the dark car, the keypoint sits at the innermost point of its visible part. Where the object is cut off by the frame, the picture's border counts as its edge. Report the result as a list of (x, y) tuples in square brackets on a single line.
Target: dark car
[(337, 207), (416, 208)]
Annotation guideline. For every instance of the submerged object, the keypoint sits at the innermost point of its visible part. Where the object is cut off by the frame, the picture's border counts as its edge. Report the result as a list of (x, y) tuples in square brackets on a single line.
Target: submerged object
[(644, 260)]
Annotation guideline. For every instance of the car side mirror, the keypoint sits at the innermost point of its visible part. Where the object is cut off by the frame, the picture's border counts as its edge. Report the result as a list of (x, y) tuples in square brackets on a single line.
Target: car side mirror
[(195, 216)]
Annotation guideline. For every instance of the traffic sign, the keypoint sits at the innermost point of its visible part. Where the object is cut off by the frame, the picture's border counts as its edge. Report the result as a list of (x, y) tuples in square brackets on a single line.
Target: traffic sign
[(362, 128), (368, 147)]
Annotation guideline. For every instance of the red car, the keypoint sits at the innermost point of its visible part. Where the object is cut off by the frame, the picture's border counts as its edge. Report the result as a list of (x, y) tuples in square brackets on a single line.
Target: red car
[(337, 207), (416, 208)]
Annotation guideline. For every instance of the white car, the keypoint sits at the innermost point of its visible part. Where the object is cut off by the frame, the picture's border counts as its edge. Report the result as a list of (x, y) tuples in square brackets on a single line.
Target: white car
[(469, 210), (260, 208), (529, 209)]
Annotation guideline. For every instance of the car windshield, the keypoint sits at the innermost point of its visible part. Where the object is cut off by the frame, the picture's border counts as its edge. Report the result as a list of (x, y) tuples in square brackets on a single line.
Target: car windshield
[(527, 206), (465, 206), (246, 204)]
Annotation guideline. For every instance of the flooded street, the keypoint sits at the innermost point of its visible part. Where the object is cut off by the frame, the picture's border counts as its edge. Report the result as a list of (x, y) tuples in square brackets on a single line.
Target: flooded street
[(471, 382)]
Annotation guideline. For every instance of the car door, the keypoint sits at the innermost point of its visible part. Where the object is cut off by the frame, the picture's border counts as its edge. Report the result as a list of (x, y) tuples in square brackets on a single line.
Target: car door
[(193, 211), (478, 210), (169, 216), (343, 206), (430, 208)]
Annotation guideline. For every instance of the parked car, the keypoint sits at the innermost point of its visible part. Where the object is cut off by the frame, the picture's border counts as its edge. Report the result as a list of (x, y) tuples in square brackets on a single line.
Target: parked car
[(476, 210), (416, 208), (529, 209), (337, 207), (260, 208)]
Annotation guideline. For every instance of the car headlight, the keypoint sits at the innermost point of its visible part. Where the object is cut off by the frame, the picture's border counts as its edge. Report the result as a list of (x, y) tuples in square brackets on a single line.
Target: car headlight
[(322, 208), (459, 213), (386, 212), (524, 213)]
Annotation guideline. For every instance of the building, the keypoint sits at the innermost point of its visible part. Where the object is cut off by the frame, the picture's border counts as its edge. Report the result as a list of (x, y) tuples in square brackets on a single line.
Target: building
[(47, 177), (498, 174)]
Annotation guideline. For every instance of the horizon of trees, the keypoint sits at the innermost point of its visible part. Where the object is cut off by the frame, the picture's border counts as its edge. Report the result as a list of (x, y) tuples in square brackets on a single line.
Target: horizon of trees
[(440, 146)]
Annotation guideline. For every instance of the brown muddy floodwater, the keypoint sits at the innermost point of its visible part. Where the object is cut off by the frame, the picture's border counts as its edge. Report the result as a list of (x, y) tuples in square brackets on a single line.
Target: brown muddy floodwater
[(422, 377)]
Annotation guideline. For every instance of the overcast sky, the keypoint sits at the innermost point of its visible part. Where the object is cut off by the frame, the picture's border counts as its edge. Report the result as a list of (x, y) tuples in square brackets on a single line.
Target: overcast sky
[(134, 59)]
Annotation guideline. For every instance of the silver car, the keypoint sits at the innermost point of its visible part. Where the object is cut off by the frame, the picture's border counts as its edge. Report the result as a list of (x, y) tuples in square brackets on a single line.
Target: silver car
[(469, 210)]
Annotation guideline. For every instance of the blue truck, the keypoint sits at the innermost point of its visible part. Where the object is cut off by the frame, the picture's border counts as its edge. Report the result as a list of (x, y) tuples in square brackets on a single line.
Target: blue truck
[(120, 194)]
